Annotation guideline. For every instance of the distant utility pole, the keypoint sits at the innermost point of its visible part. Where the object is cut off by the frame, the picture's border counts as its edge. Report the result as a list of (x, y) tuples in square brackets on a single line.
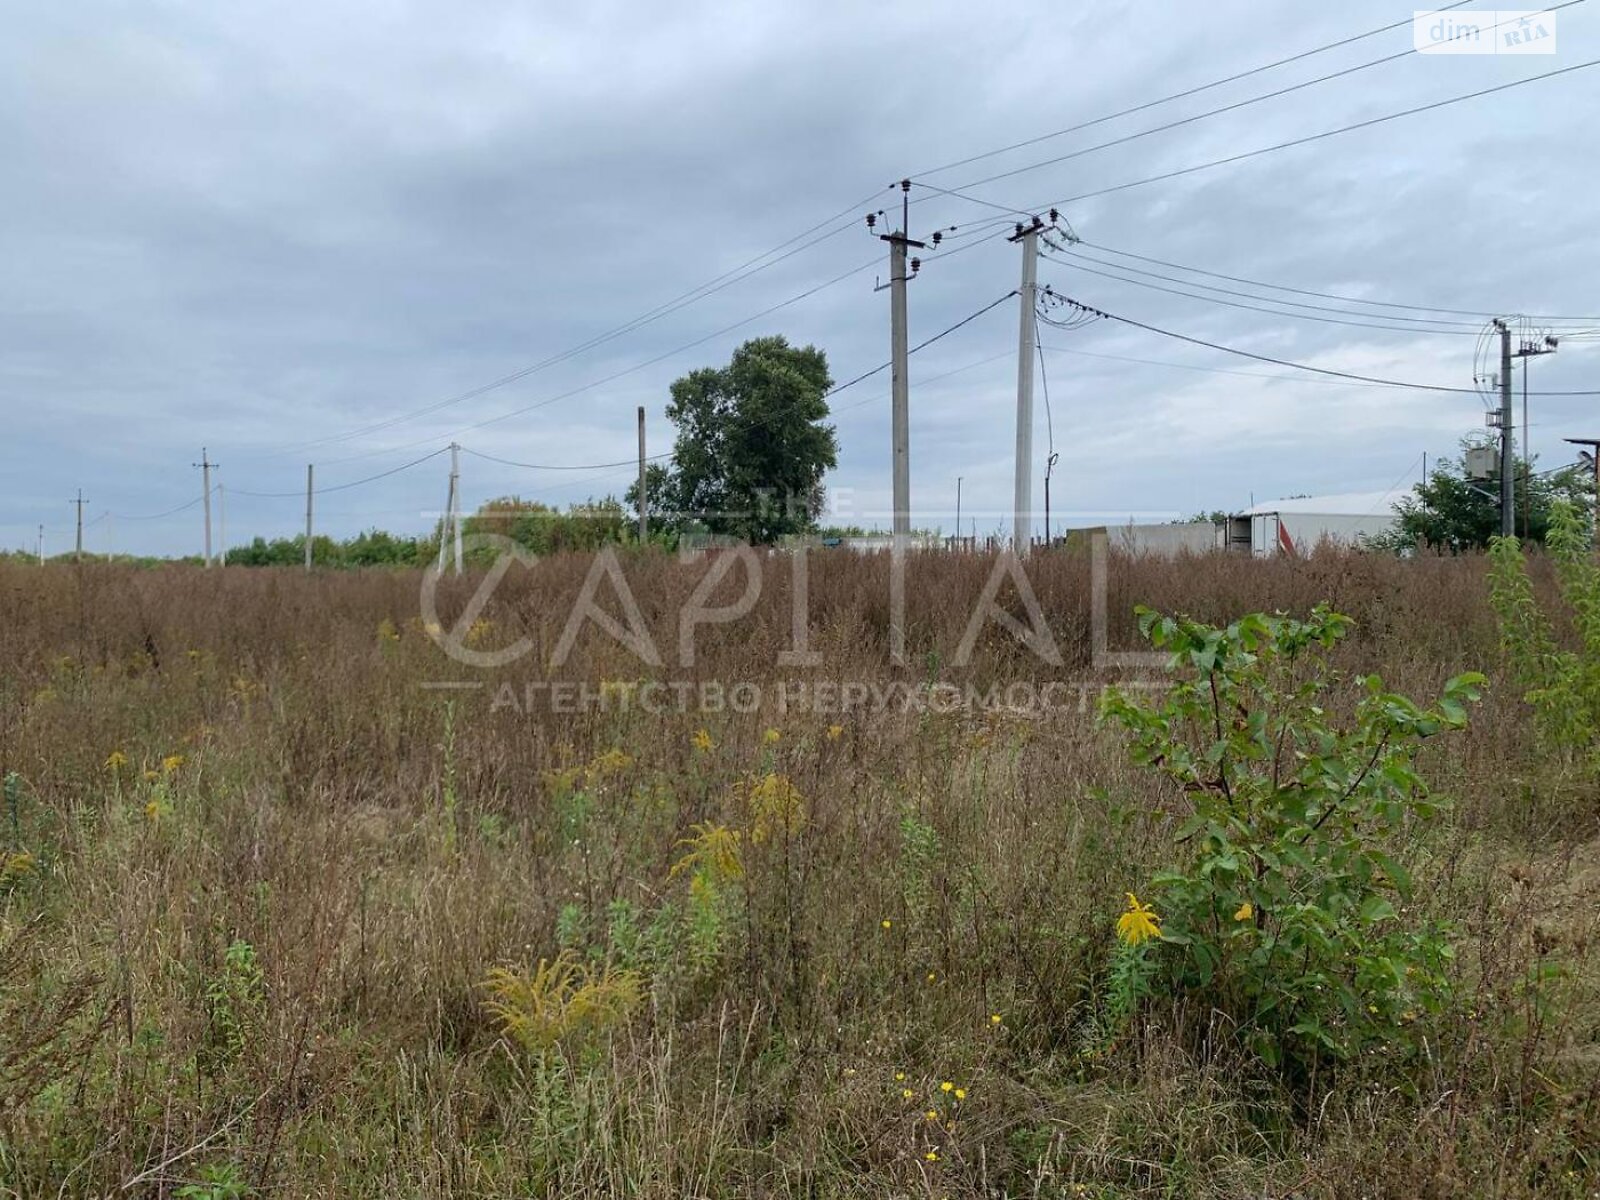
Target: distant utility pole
[(958, 510), (1049, 466), (222, 525), (1530, 348), (310, 491), (899, 356), (644, 500), (41, 545), (1022, 500), (77, 554), (205, 464), (455, 499)]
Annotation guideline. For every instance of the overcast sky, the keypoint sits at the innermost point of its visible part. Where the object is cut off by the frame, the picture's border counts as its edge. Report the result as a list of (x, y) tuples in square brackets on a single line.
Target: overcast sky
[(267, 229)]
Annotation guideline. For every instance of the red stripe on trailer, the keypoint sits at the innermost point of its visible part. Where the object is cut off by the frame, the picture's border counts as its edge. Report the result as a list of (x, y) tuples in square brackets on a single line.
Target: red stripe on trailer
[(1285, 542)]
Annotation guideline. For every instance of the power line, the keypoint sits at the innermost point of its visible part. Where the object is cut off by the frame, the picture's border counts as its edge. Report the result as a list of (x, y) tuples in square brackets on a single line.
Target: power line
[(1149, 104), (341, 487), (1281, 362), (507, 462), (1314, 137), (1076, 256), (1177, 124), (1178, 366), (727, 279), (1280, 312), (1481, 314), (636, 367), (767, 420)]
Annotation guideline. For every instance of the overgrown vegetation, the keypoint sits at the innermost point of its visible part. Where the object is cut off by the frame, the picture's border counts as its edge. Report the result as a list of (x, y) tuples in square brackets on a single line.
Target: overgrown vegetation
[(276, 919)]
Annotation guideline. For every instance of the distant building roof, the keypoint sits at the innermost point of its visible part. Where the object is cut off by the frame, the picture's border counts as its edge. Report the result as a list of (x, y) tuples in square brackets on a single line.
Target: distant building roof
[(1346, 504)]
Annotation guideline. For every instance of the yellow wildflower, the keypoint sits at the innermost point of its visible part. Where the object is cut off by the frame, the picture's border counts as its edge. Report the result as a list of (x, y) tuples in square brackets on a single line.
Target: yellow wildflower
[(15, 865), (152, 811), (931, 1115), (1139, 923), (152, 774), (946, 1086), (906, 1093), (171, 763), (932, 1155), (609, 762), (776, 806), (702, 740), (116, 760), (835, 732), (1246, 912), (931, 976), (961, 1093), (994, 1018), (886, 923), (771, 736), (899, 1076)]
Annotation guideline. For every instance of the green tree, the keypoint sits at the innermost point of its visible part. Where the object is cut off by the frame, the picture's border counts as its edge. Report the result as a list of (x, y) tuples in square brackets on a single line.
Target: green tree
[(752, 443), (544, 529), (1451, 512)]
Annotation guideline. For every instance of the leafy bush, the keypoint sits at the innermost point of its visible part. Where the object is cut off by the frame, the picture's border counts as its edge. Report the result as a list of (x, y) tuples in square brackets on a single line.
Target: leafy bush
[(1286, 915), (1563, 686)]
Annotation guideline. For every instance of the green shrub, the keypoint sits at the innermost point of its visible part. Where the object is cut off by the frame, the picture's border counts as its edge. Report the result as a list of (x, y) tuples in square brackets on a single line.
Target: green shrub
[(1563, 686), (1287, 913)]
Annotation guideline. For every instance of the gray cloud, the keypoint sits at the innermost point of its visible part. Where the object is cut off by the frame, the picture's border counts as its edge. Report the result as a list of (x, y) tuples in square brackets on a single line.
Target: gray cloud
[(262, 229)]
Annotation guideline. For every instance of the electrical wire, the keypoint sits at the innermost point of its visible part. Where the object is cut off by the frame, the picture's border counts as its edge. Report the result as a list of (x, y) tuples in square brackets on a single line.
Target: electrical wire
[(1044, 377), (341, 487), (1178, 366), (727, 279), (1480, 314), (636, 367), (1077, 256), (1281, 362), (1278, 312), (507, 462), (1183, 95), (1314, 137)]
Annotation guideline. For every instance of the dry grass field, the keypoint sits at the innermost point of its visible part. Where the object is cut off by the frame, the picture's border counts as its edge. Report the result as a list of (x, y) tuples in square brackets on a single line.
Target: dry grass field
[(273, 911)]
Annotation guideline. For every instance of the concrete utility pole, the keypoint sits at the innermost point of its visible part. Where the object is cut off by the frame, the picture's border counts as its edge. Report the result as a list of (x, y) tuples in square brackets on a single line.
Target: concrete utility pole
[(205, 464), (1022, 500), (1508, 490), (77, 554), (455, 499), (644, 499), (899, 356), (310, 491), (958, 511), (41, 545)]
